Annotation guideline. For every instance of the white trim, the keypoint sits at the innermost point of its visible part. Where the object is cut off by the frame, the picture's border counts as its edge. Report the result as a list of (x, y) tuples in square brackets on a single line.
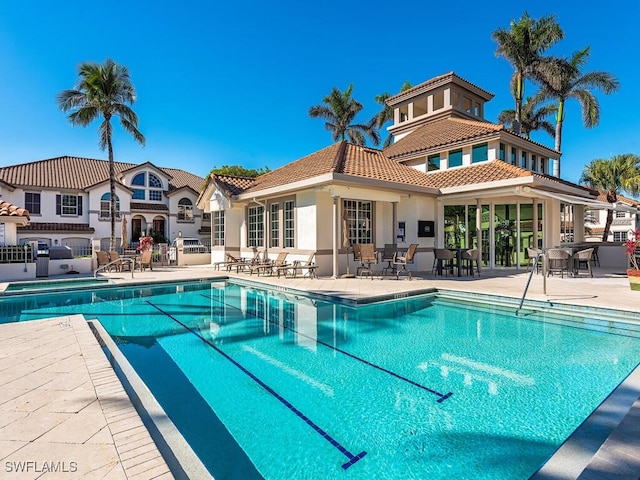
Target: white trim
[(584, 201)]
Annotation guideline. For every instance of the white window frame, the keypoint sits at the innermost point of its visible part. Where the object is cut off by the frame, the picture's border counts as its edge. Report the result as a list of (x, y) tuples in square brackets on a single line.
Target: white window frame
[(289, 224), (66, 207), (274, 221), (185, 211), (255, 222), (218, 228), (359, 213), (105, 207)]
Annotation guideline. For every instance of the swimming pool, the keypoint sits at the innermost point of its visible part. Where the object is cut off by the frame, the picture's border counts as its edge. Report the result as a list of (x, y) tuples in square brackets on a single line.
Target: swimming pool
[(302, 388), (48, 285)]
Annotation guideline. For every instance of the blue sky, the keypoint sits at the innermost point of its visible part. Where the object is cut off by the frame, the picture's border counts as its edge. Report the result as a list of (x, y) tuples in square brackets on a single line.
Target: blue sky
[(231, 82)]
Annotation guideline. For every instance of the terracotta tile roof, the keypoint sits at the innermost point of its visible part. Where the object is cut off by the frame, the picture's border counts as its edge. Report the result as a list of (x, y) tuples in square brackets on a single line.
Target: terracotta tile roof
[(342, 158), (74, 173), (154, 207), (9, 210), (479, 173), (440, 133), (445, 78), (58, 227), (232, 185)]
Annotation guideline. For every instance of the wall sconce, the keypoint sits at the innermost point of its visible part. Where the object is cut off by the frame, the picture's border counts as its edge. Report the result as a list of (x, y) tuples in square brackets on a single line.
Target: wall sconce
[(180, 233)]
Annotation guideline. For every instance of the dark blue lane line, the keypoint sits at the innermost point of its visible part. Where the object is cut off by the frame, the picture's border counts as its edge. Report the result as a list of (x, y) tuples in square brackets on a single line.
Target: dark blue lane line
[(442, 396), (352, 458)]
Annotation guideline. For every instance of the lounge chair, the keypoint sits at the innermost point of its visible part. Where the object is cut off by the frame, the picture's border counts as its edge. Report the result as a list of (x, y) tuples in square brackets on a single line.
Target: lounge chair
[(243, 265), (299, 267), (271, 266), (228, 258), (400, 261)]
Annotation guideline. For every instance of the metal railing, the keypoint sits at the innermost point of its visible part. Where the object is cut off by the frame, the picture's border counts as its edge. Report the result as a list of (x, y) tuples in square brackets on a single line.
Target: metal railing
[(114, 262), (16, 254), (533, 269)]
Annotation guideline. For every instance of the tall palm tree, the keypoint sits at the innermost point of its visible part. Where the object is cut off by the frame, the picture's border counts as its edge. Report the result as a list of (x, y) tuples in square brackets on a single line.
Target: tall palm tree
[(386, 114), (534, 117), (563, 80), (103, 91), (522, 45), (339, 111), (621, 174)]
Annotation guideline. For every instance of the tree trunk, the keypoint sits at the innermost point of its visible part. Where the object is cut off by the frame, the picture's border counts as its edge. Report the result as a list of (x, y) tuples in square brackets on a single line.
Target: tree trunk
[(112, 188), (612, 197), (519, 94), (559, 121)]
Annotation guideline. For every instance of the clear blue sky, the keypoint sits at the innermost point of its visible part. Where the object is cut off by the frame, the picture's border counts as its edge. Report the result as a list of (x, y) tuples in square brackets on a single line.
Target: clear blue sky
[(231, 82)]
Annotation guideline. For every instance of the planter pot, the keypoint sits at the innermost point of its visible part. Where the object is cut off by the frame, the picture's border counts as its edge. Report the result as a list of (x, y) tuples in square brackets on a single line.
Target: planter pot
[(634, 279)]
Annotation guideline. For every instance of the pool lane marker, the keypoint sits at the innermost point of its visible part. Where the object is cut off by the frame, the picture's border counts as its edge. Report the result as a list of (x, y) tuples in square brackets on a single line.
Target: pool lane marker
[(352, 458), (441, 396)]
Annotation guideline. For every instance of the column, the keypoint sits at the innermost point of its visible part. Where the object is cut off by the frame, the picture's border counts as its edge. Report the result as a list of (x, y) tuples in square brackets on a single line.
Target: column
[(336, 233)]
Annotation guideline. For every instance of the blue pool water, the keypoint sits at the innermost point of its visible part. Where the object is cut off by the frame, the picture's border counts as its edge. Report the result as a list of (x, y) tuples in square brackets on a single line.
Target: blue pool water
[(263, 384), (48, 285)]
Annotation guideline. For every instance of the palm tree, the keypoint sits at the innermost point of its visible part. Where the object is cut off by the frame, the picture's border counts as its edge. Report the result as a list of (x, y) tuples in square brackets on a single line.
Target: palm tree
[(563, 80), (618, 175), (522, 45), (386, 114), (103, 91), (533, 118), (339, 110)]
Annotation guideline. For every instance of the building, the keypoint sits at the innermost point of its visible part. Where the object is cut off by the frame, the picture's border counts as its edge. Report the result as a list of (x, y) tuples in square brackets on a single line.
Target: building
[(68, 200), (450, 179), (625, 220)]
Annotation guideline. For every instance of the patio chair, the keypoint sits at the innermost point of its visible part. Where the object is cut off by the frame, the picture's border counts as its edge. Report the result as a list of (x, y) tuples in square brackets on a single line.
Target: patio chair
[(269, 266), (388, 255), (582, 259), (532, 253), (357, 256), (594, 258), (557, 261), (443, 261), (299, 266), (146, 260), (228, 258), (467, 258), (242, 265), (400, 261), (368, 257), (102, 257), (115, 258)]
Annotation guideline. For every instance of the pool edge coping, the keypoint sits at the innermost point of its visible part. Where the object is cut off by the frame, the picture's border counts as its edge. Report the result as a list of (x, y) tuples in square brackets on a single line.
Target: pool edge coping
[(180, 457)]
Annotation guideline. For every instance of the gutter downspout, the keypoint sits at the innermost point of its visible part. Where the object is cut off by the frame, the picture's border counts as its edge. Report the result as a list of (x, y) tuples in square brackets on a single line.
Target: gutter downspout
[(264, 222)]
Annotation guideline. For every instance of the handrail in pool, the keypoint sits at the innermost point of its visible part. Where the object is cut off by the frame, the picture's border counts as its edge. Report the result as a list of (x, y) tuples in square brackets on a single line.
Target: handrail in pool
[(533, 269), (113, 262)]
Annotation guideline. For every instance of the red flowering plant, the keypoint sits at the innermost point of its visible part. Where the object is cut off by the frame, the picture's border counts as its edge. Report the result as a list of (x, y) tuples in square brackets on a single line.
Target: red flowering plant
[(146, 243), (632, 249)]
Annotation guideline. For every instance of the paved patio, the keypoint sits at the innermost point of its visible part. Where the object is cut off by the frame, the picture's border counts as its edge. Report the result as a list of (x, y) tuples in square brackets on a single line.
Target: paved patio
[(61, 402)]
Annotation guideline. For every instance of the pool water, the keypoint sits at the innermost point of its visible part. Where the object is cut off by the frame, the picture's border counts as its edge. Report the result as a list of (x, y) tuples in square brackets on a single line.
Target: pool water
[(264, 384), (48, 285)]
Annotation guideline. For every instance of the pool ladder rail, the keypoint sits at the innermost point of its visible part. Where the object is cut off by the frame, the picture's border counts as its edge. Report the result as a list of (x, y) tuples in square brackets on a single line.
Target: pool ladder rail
[(113, 262), (533, 269)]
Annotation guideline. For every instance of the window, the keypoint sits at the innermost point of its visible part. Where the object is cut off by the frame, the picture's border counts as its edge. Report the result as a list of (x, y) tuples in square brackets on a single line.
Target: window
[(514, 155), (501, 152), (455, 158), (619, 236), (466, 104), (289, 224), (534, 163), (523, 159), (404, 113), (154, 181), (105, 206), (275, 225), (218, 228), (433, 162), (155, 195), (543, 165), (620, 214), (185, 210), (479, 153), (206, 217), (139, 180), (68, 205), (256, 226), (138, 194), (419, 107), (438, 100), (32, 203), (358, 221)]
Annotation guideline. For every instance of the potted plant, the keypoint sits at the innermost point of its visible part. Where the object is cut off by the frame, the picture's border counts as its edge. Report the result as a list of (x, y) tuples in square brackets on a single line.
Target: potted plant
[(632, 249), (146, 243)]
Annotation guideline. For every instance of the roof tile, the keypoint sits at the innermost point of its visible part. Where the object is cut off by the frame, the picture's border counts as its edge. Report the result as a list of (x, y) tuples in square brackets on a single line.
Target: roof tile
[(9, 210)]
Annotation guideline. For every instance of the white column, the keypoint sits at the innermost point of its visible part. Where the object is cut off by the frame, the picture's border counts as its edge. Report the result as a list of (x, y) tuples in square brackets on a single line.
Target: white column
[(479, 230), (535, 224), (336, 240)]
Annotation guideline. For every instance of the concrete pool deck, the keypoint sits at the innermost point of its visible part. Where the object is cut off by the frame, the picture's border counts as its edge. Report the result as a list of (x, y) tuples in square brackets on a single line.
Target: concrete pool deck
[(61, 402)]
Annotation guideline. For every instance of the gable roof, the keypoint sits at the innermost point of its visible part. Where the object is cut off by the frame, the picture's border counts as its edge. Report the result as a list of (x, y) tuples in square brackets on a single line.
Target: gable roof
[(602, 196), (75, 173), (346, 159)]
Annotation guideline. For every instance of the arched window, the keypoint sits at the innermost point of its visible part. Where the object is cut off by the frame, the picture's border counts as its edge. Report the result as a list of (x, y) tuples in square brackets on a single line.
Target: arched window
[(185, 210), (105, 206), (154, 181), (139, 180)]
